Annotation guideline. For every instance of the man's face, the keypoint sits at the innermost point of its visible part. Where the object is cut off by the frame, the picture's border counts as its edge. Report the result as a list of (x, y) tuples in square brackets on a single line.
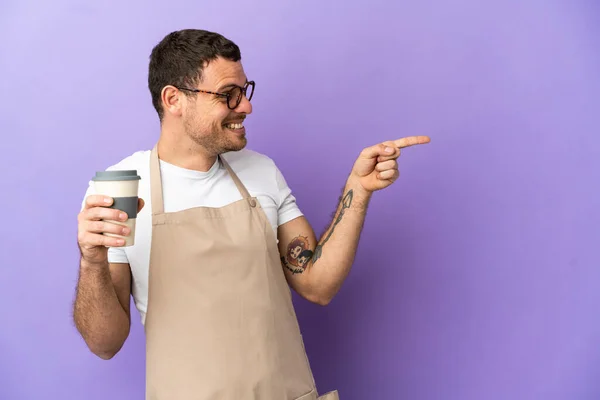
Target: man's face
[(207, 119)]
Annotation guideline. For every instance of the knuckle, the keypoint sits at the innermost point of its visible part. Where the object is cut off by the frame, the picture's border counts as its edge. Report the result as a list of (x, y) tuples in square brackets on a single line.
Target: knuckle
[(90, 213), (91, 240), (100, 240), (97, 226), (108, 241), (90, 200), (85, 239), (385, 165), (114, 228)]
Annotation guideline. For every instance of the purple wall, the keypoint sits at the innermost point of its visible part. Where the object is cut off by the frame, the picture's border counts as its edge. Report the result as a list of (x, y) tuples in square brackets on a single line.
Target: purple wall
[(477, 275)]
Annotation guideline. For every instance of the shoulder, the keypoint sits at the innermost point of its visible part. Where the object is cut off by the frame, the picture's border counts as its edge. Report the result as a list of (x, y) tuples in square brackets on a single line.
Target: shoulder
[(256, 170), (139, 160), (252, 166), (248, 159)]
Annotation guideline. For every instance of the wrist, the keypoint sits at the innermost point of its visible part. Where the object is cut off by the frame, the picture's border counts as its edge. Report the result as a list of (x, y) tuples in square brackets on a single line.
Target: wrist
[(93, 264), (360, 196)]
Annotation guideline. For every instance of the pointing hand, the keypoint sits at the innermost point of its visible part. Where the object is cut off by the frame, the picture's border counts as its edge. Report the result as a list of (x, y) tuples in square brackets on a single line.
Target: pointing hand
[(377, 167)]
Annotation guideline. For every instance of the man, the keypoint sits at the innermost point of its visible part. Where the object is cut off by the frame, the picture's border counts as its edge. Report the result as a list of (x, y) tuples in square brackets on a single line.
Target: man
[(219, 241)]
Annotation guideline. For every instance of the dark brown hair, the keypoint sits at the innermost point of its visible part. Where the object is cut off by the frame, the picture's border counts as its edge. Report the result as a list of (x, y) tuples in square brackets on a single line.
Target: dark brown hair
[(181, 56)]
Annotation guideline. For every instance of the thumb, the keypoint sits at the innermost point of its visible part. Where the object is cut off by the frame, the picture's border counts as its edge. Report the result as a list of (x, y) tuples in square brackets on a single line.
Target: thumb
[(386, 149), (141, 204)]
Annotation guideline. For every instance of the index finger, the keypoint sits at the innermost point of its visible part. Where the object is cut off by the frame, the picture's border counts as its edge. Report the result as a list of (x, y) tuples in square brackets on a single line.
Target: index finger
[(97, 200), (411, 141)]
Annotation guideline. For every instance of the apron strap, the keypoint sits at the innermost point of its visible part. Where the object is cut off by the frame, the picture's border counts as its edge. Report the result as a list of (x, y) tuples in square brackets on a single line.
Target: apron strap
[(156, 192), (236, 180)]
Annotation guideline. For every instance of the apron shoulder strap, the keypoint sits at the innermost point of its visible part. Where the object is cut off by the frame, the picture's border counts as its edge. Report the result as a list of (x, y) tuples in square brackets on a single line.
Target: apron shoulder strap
[(238, 183), (156, 193)]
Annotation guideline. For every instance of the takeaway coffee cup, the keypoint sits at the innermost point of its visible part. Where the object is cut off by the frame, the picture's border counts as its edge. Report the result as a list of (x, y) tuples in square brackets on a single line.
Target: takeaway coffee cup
[(122, 186)]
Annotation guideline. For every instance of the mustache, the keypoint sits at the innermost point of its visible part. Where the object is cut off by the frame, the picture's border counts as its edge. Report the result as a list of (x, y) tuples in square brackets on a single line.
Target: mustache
[(239, 118)]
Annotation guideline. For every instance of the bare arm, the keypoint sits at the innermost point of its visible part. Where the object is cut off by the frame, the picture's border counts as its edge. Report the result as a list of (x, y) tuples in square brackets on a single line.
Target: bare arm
[(317, 269), (101, 309)]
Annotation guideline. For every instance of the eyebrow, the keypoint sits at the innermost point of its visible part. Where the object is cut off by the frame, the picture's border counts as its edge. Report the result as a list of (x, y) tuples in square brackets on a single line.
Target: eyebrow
[(230, 85)]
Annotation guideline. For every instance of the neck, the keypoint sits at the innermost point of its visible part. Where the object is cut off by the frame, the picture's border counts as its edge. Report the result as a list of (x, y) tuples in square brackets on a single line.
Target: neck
[(180, 150)]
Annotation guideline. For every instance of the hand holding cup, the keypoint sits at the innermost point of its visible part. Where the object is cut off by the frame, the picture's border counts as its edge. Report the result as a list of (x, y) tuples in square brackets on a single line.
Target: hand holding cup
[(108, 217)]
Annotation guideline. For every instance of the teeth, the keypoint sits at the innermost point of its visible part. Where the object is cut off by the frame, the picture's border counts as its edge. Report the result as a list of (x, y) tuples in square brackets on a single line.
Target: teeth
[(234, 126)]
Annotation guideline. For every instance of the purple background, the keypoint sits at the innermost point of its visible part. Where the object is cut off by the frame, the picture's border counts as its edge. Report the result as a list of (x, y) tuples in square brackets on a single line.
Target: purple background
[(478, 272)]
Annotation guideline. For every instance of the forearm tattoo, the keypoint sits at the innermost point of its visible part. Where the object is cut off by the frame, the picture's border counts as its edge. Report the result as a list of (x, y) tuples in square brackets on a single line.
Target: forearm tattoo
[(298, 252), (298, 255), (346, 202)]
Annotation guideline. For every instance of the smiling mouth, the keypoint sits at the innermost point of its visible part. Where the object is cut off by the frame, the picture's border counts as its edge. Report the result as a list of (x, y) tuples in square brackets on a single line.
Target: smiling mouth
[(234, 126)]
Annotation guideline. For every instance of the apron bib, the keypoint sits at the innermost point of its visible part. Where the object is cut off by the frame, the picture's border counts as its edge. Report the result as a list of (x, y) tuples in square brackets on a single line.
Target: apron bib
[(220, 323)]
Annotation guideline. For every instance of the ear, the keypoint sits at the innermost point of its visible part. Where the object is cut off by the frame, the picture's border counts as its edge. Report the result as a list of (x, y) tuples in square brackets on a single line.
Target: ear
[(172, 100)]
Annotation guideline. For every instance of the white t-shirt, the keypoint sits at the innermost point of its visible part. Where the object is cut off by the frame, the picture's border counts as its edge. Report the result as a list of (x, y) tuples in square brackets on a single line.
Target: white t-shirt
[(183, 189)]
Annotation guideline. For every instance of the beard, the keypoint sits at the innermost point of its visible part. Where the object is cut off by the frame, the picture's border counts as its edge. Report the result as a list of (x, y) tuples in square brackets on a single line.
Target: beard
[(215, 138)]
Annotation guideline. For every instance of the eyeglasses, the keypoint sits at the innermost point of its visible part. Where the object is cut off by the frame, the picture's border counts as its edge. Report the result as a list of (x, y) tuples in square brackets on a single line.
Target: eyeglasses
[(234, 96)]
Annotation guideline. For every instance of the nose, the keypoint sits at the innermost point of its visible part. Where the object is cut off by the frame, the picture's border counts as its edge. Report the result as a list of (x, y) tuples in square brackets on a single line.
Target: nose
[(245, 106)]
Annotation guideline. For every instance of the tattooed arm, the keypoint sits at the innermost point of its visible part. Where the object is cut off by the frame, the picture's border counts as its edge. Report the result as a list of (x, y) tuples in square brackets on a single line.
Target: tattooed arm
[(317, 269)]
